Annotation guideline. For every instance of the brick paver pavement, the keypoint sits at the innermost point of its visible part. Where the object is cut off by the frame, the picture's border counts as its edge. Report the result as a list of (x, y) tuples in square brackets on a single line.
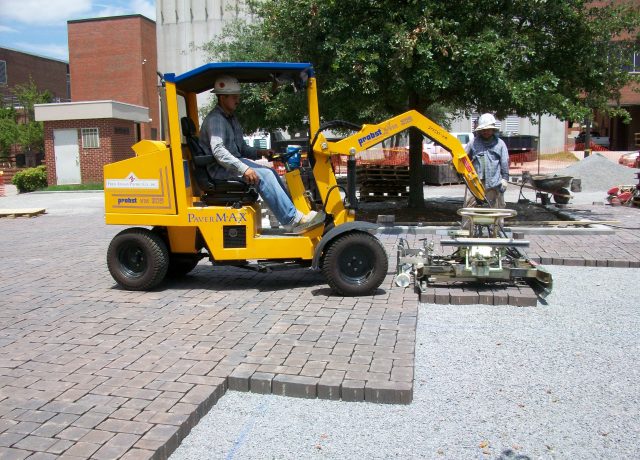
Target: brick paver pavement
[(91, 371)]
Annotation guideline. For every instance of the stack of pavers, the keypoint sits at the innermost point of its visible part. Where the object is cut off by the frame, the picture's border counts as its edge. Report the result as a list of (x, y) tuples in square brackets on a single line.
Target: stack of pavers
[(382, 182)]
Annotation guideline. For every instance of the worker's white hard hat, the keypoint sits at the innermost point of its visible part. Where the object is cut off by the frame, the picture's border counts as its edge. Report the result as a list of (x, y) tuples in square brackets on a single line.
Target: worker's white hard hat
[(486, 121), (226, 84)]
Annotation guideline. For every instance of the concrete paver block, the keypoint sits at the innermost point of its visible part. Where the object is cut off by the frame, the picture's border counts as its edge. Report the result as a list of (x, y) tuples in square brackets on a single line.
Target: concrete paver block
[(352, 390), (260, 382), (389, 392), (294, 385)]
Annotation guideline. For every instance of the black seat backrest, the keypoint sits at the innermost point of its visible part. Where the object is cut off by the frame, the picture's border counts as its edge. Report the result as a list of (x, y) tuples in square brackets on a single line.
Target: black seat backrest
[(198, 155)]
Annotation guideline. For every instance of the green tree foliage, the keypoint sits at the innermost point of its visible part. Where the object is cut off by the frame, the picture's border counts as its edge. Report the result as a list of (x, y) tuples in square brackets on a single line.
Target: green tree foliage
[(28, 95), (29, 134), (8, 131), (376, 58)]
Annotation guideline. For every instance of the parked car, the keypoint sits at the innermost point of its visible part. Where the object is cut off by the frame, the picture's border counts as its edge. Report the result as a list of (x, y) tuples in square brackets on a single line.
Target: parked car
[(433, 153), (631, 159), (596, 138)]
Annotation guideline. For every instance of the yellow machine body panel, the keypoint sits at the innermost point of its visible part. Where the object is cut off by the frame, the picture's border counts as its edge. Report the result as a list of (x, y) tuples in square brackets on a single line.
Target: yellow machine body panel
[(143, 184), (235, 234)]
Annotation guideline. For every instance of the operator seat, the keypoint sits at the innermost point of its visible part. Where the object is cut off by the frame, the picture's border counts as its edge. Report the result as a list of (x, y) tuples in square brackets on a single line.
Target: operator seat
[(214, 191)]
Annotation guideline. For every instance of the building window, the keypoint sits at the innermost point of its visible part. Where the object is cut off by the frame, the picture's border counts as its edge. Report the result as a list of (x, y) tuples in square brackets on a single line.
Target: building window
[(512, 124), (635, 62), (121, 130), (154, 134), (90, 138), (3, 72)]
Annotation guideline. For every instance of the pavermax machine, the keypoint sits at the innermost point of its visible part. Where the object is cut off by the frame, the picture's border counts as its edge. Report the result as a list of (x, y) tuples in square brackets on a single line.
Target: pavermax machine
[(166, 187)]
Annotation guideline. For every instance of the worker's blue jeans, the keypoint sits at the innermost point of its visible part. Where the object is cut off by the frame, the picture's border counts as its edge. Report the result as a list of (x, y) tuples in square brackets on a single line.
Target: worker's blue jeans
[(273, 192)]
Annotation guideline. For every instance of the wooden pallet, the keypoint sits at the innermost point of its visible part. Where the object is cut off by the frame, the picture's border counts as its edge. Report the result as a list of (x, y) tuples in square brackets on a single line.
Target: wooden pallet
[(378, 195), (383, 173), (441, 174), (30, 212)]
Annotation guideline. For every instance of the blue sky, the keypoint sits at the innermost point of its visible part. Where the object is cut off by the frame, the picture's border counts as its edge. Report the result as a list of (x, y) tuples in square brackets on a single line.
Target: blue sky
[(40, 26)]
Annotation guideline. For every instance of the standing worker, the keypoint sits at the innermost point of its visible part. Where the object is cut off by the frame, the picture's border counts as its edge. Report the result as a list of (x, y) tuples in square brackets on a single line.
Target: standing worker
[(221, 136), (490, 158)]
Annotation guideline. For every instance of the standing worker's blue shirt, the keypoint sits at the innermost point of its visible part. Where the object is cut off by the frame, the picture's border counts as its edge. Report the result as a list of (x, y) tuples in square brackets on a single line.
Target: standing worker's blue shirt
[(490, 158), (221, 136)]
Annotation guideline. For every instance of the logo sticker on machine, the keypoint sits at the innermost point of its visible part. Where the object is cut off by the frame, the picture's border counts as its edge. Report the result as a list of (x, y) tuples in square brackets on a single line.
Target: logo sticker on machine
[(132, 181)]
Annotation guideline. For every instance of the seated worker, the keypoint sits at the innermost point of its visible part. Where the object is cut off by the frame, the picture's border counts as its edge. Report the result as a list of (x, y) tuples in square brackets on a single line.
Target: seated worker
[(221, 135)]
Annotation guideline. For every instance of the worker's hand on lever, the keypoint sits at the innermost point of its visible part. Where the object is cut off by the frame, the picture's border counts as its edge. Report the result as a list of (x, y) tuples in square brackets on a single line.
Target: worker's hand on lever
[(251, 177), (267, 153)]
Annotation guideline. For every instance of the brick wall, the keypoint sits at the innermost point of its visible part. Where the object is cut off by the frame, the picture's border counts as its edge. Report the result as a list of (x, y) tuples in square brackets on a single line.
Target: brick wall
[(47, 74), (115, 58), (114, 146)]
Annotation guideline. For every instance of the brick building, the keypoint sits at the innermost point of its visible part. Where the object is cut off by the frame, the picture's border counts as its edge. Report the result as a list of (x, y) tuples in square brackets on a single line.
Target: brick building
[(16, 68), (114, 94), (115, 58)]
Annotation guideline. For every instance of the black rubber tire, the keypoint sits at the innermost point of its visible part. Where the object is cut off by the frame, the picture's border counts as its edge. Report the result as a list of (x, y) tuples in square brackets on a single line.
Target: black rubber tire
[(560, 199), (138, 259), (181, 264), (355, 264)]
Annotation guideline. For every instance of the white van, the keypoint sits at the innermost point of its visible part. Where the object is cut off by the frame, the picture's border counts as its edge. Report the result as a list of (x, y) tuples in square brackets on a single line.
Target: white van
[(464, 138), (437, 154)]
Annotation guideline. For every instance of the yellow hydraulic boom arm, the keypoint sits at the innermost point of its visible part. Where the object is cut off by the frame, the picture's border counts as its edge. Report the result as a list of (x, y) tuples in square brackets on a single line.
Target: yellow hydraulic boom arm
[(370, 135)]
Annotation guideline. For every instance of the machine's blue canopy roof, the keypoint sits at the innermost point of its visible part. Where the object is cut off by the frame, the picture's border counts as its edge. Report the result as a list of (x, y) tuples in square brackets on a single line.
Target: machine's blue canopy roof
[(202, 78)]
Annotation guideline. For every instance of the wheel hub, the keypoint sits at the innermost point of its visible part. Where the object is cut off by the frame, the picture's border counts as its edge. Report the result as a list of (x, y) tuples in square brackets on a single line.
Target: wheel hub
[(356, 264), (133, 260)]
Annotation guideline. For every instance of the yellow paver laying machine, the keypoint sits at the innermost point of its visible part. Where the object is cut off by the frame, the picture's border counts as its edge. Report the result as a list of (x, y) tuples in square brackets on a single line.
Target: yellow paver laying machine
[(180, 215)]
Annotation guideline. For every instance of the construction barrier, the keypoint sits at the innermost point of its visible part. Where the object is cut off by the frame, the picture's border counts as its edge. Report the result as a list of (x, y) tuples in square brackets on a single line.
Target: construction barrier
[(546, 162)]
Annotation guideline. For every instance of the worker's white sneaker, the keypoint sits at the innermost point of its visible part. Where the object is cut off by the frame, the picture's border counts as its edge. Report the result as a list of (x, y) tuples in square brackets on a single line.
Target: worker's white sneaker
[(306, 222)]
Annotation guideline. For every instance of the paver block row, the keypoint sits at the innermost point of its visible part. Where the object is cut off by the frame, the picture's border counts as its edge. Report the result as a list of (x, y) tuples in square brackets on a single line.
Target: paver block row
[(327, 387), (467, 294)]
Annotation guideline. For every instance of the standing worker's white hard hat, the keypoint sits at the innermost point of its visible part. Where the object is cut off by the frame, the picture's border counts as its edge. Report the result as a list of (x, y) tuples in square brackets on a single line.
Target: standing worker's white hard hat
[(226, 84), (486, 121)]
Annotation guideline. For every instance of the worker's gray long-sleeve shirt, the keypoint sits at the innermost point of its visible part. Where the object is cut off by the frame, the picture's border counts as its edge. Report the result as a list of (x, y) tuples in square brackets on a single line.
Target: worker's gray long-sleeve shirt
[(490, 159), (221, 135)]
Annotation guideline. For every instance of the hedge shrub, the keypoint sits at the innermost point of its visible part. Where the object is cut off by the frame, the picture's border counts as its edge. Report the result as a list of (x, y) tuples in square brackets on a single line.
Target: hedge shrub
[(31, 179)]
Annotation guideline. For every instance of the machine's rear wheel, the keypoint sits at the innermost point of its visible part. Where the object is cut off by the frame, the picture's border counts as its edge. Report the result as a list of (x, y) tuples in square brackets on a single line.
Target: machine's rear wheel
[(138, 259), (355, 264)]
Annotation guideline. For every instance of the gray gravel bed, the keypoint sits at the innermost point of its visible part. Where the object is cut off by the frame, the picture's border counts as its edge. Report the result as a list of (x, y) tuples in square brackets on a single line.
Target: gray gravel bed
[(555, 381)]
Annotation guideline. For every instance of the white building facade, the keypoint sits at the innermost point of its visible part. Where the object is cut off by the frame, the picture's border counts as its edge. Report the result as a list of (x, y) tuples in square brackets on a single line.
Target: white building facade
[(183, 26)]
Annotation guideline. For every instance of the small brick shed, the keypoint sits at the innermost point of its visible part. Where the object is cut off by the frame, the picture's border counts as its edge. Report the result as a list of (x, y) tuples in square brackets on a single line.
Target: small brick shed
[(81, 137)]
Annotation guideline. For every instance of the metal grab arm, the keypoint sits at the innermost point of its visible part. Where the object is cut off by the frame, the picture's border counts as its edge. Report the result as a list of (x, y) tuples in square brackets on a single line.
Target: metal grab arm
[(370, 135)]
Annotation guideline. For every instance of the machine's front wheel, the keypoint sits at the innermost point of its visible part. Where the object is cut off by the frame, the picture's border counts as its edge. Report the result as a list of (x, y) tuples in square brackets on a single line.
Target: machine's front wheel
[(355, 264), (138, 259)]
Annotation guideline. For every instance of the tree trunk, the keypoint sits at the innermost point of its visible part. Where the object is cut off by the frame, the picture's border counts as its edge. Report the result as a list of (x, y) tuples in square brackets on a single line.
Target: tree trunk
[(416, 171)]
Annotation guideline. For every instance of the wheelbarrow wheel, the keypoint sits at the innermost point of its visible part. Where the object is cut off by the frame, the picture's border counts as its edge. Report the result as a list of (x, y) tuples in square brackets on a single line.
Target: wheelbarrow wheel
[(138, 259), (563, 197), (355, 264)]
